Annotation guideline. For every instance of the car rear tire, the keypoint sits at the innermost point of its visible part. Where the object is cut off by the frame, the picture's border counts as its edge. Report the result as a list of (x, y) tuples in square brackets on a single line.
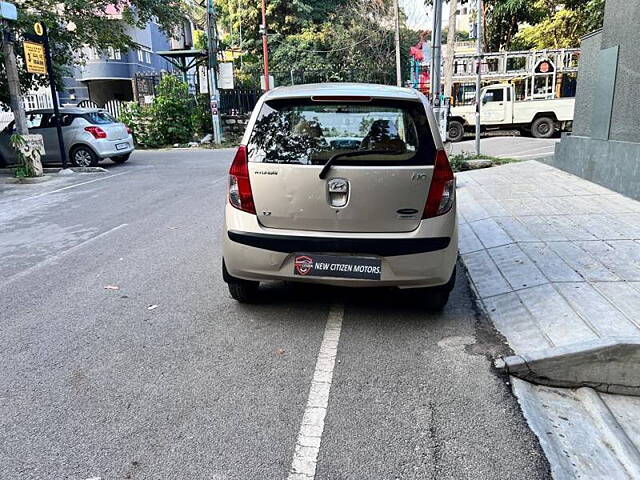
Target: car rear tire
[(435, 298), (543, 127), (455, 131), (243, 291), (120, 158), (83, 156)]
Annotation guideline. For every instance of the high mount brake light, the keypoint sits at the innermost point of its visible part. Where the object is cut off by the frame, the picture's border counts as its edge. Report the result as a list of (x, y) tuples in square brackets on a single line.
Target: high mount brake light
[(339, 98), (97, 132), (442, 189), (240, 195)]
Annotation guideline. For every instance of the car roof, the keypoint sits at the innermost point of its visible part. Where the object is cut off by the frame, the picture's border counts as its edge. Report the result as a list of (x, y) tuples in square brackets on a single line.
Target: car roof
[(343, 89), (68, 110)]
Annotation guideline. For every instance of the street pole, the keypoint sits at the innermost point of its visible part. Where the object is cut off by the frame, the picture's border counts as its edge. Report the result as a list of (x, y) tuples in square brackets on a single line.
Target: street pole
[(11, 67), (478, 71), (212, 52), (265, 46), (436, 52), (396, 13), (54, 95), (451, 43)]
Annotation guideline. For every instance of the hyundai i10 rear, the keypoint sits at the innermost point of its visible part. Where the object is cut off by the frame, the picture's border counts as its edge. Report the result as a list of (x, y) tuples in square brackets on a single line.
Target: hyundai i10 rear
[(341, 184)]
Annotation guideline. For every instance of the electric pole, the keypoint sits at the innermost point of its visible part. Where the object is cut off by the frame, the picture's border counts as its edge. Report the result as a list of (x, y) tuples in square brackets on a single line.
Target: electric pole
[(11, 66), (478, 71), (265, 46), (396, 13), (212, 50), (436, 52), (451, 44)]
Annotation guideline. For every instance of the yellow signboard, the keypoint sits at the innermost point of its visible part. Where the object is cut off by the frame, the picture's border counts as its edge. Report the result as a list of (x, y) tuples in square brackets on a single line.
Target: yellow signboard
[(37, 27), (34, 57)]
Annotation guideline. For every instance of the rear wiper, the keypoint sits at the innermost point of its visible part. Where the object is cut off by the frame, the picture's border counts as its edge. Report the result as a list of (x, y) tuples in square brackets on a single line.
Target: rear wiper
[(357, 153)]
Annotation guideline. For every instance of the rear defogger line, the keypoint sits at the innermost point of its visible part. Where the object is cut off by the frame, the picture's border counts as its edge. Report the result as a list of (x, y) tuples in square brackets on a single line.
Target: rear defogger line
[(305, 457)]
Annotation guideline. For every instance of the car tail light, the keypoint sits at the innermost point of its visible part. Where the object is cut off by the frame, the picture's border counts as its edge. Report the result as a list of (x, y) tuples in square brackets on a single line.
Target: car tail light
[(97, 132), (240, 195), (129, 131), (442, 189)]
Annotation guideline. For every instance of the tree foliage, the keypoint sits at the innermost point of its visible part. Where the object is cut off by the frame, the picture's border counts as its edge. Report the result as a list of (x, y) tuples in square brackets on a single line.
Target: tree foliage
[(562, 28), (93, 27), (348, 39)]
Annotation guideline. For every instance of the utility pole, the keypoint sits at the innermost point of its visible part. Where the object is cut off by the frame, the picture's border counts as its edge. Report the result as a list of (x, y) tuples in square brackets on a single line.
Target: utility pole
[(451, 43), (396, 13), (54, 95), (265, 46), (478, 71), (17, 106), (436, 52), (212, 50)]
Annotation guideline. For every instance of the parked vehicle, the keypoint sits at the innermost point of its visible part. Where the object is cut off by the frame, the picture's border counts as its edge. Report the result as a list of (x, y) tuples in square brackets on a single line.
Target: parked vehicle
[(500, 110), (90, 135), (303, 208)]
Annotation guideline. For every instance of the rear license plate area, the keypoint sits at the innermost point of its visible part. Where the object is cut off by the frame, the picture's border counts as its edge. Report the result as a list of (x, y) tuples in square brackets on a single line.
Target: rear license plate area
[(122, 146), (337, 266)]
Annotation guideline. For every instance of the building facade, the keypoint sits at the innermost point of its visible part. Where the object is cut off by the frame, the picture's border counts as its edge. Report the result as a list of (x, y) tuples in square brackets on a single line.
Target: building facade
[(605, 144)]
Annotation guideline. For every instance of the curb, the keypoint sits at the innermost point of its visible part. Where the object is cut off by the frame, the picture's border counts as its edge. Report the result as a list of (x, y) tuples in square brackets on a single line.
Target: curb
[(28, 180), (608, 365)]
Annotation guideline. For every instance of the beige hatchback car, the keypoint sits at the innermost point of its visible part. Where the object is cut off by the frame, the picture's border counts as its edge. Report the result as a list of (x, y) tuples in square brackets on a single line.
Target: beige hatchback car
[(341, 184)]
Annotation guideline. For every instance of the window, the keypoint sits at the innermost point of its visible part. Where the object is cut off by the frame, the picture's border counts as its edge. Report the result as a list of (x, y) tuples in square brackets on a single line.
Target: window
[(309, 133), (99, 118), (140, 56), (35, 120), (147, 56), (495, 95), (113, 54)]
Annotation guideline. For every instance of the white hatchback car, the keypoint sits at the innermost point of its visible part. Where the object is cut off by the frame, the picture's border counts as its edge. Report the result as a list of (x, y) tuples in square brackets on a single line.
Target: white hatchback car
[(341, 184)]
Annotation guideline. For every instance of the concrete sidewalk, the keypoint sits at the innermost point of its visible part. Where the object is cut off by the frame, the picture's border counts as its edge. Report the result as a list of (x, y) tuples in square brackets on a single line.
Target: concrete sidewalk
[(555, 262)]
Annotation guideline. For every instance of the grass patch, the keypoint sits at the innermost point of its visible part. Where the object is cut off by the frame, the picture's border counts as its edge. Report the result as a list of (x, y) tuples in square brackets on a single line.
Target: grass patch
[(459, 161)]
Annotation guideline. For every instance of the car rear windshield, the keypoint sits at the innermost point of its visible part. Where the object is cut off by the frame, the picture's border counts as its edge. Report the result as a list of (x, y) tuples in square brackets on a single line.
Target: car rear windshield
[(99, 118), (309, 133)]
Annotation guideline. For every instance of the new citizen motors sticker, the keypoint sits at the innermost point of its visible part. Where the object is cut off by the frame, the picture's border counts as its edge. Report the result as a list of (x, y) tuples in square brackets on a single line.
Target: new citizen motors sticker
[(312, 265)]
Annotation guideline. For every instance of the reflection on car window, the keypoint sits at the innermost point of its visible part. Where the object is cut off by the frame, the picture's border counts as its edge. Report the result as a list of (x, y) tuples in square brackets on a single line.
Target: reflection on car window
[(305, 132), (34, 120), (99, 118)]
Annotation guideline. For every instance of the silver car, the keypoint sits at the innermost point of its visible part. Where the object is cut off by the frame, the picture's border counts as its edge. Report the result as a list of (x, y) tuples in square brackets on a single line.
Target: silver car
[(341, 184), (90, 135)]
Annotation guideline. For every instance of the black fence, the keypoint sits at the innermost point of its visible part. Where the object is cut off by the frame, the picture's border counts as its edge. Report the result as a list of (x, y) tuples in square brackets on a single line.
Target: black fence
[(239, 101)]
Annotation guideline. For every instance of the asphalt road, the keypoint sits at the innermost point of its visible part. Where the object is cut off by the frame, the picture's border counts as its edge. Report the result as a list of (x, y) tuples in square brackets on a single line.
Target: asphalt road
[(508, 146), (163, 376)]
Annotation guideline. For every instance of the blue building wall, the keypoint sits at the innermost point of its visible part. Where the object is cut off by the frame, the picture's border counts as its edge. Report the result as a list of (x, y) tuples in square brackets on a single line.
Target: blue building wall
[(102, 79)]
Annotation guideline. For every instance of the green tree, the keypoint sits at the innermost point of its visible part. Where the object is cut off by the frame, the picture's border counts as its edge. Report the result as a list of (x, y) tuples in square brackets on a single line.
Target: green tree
[(93, 28), (563, 24)]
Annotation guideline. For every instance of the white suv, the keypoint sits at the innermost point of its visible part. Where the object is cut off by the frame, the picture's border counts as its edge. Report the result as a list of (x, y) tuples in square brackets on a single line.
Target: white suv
[(341, 184)]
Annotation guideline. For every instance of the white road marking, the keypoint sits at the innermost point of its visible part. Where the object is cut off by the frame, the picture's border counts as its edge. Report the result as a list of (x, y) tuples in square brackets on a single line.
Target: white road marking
[(58, 256), (75, 185), (539, 154), (305, 456), (515, 154)]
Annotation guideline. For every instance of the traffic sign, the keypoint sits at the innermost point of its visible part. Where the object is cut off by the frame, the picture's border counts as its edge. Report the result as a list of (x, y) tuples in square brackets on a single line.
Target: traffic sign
[(35, 59), (37, 27)]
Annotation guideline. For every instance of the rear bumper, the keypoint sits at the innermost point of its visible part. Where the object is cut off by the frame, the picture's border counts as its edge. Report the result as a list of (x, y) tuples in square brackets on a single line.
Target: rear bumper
[(422, 258), (107, 148)]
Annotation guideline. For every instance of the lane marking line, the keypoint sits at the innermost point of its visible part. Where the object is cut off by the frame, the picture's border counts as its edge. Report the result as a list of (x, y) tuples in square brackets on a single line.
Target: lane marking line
[(50, 260), (305, 457), (75, 185)]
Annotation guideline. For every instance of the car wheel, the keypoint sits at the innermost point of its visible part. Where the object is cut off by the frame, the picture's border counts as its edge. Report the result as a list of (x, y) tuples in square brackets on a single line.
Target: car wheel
[(244, 291), (120, 158), (455, 131), (83, 156), (436, 298), (543, 127)]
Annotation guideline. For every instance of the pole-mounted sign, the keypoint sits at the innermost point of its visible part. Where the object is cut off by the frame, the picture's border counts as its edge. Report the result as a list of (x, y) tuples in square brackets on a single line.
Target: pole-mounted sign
[(37, 53), (35, 58)]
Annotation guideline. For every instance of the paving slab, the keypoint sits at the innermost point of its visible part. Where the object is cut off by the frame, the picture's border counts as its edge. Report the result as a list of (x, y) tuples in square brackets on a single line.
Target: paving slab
[(555, 262)]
